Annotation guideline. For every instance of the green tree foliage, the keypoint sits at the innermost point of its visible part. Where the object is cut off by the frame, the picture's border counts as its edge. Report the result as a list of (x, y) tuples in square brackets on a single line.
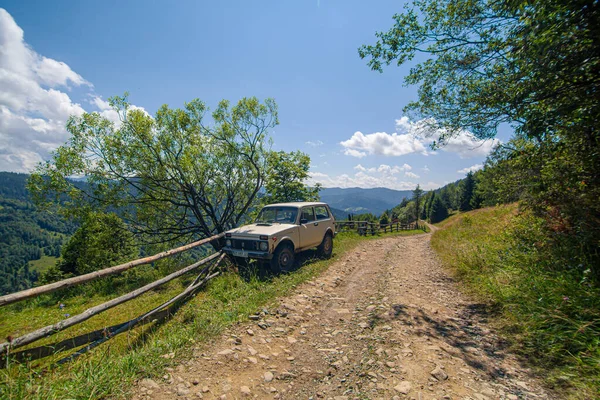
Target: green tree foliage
[(417, 199), (438, 210), (384, 219), (405, 211), (467, 190), (534, 65), (450, 195), (507, 173), (174, 176), (543, 180), (286, 174), (365, 217), (476, 48), (427, 200), (101, 241)]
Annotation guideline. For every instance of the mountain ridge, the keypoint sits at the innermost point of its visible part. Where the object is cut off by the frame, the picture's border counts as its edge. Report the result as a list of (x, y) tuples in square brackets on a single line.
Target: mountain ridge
[(363, 200)]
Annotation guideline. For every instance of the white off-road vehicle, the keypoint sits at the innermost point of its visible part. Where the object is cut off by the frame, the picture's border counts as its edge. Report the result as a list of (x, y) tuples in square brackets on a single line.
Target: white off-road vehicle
[(281, 231)]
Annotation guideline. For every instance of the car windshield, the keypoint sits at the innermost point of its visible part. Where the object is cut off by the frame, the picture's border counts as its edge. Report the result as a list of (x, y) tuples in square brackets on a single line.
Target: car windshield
[(277, 215)]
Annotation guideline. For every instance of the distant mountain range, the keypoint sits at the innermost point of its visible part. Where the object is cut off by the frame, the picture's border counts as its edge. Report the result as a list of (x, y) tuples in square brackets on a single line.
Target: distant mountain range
[(359, 201)]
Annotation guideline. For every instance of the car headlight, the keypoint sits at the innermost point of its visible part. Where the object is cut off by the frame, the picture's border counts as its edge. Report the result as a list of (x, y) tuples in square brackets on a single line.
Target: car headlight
[(228, 243), (264, 246)]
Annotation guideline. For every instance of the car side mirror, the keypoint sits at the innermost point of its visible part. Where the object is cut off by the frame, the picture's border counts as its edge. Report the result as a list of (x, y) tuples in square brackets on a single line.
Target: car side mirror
[(303, 220)]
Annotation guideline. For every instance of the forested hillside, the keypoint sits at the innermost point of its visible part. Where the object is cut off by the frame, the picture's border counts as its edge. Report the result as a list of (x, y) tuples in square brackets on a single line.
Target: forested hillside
[(26, 233)]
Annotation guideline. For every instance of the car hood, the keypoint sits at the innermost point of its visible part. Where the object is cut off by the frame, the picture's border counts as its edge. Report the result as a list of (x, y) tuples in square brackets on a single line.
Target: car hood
[(260, 229)]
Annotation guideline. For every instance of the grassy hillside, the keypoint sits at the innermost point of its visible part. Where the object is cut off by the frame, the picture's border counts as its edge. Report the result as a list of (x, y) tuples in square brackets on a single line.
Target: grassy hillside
[(42, 264), (109, 370), (551, 313)]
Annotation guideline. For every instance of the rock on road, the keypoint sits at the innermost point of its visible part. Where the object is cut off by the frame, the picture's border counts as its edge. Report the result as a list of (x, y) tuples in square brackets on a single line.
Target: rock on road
[(386, 321)]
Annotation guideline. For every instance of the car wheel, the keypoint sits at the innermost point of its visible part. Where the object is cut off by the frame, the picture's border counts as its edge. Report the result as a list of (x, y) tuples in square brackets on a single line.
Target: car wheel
[(325, 249), (283, 259)]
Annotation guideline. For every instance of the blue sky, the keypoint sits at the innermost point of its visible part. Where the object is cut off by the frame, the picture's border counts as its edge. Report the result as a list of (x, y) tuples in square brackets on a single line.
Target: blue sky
[(60, 58)]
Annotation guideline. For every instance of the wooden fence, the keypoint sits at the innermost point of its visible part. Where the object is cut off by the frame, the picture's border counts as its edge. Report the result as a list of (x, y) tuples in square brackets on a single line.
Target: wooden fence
[(373, 228), (204, 276)]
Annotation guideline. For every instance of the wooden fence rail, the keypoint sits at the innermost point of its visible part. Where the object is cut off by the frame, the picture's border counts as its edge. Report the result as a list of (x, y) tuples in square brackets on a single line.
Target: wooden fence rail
[(200, 280), (90, 312), (77, 280), (205, 275), (373, 228)]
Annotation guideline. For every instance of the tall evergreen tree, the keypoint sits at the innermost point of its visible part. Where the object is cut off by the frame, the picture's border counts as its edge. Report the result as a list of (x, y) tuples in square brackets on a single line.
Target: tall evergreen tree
[(429, 200), (438, 210), (466, 192), (417, 197)]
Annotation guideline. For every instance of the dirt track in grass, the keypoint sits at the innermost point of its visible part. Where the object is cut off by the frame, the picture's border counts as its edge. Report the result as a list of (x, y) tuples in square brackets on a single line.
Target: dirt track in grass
[(386, 321)]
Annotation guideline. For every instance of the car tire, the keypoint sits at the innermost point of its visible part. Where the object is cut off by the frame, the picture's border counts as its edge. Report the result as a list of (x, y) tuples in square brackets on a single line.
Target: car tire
[(283, 259), (325, 249)]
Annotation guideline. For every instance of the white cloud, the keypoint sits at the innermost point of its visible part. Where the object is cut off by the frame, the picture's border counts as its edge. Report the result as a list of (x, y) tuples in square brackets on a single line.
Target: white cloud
[(384, 169), (109, 113), (381, 143), (467, 146), (393, 170), (382, 176), (430, 185), (33, 111), (318, 175), (355, 153), (34, 105), (314, 144), (472, 168), (415, 137), (56, 73), (425, 169), (462, 143), (100, 103)]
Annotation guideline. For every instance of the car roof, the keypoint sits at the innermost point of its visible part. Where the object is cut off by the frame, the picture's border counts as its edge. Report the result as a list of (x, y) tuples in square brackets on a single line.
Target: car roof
[(297, 204)]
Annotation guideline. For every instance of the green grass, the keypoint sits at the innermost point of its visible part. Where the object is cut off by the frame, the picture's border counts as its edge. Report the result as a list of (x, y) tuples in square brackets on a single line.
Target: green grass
[(42, 264), (550, 311), (110, 369)]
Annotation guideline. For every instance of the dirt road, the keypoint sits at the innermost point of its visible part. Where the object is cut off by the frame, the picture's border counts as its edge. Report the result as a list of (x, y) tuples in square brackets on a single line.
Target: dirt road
[(385, 321)]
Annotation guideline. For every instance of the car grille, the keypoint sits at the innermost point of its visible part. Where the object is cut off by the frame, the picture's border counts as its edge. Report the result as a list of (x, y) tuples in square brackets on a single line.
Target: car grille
[(244, 244)]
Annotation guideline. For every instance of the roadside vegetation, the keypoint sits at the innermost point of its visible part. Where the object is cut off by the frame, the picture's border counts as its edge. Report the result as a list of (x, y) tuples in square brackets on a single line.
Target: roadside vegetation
[(550, 311), (109, 370), (484, 64)]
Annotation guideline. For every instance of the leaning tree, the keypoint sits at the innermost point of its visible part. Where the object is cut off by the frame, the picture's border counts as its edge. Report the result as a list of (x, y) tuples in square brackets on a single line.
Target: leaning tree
[(174, 176)]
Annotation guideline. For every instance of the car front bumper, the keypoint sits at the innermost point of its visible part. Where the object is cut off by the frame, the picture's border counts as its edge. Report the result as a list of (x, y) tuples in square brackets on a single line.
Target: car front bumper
[(262, 255)]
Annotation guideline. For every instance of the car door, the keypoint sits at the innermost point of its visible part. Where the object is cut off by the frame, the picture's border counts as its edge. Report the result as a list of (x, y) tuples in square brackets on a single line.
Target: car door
[(325, 219), (309, 228)]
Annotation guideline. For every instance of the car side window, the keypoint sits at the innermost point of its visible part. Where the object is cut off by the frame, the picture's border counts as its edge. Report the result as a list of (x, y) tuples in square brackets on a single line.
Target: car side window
[(321, 212), (308, 214)]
